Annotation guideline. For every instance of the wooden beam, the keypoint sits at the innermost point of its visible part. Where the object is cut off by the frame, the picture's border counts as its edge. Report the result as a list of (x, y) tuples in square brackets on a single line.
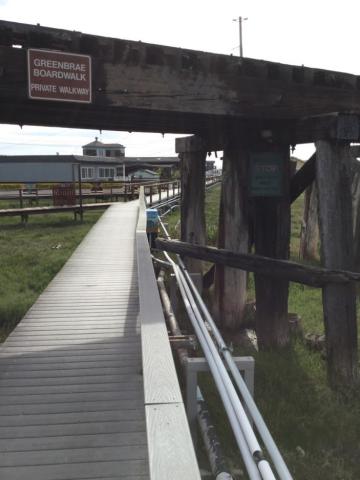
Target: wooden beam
[(165, 89), (302, 179), (194, 143), (270, 267), (333, 174)]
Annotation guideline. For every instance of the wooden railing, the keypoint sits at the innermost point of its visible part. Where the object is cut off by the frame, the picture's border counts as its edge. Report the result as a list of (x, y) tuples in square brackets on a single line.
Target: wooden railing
[(170, 447)]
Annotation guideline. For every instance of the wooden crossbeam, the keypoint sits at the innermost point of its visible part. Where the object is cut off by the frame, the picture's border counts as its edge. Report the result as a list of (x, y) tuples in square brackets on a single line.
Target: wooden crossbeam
[(295, 272), (144, 87), (303, 178)]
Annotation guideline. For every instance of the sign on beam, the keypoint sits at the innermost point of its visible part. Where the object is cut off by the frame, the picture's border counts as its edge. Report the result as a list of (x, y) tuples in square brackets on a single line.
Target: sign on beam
[(59, 76), (266, 174)]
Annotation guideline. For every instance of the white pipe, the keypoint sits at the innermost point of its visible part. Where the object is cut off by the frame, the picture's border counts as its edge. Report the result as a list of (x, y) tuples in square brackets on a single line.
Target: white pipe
[(239, 436), (248, 399), (251, 439), (243, 421), (265, 470), (271, 447)]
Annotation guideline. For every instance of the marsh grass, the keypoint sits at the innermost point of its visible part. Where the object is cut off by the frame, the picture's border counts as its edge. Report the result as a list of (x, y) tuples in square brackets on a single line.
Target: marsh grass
[(30, 256)]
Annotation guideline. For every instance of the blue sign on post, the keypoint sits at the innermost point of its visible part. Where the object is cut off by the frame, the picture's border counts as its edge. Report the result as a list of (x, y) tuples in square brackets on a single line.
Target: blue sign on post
[(266, 174)]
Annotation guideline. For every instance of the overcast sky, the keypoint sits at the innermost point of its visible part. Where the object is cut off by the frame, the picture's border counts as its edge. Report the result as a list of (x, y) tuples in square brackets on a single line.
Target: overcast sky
[(314, 33)]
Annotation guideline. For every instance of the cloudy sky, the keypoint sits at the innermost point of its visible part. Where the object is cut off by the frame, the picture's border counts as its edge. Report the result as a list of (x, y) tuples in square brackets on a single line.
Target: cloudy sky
[(314, 33)]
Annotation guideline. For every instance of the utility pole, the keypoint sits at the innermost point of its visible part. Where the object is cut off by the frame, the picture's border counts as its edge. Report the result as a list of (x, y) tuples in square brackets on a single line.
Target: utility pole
[(240, 20)]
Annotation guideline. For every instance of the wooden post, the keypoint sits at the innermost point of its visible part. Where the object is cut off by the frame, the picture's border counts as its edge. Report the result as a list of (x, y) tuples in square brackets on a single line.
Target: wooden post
[(309, 240), (333, 176), (193, 161), (80, 193), (355, 191), (21, 198), (272, 239), (230, 283)]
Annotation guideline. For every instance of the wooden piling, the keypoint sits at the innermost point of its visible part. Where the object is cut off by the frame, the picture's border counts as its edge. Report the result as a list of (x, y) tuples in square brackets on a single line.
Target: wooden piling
[(193, 229), (230, 283), (309, 240), (333, 175), (272, 239)]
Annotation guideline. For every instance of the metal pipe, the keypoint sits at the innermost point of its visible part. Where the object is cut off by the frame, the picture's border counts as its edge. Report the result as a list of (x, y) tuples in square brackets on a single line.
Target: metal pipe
[(254, 412), (253, 444), (238, 433), (210, 438), (161, 262), (243, 420), (170, 210), (270, 445)]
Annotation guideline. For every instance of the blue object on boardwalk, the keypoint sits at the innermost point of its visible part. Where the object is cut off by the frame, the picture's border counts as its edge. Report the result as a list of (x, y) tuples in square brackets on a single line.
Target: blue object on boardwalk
[(152, 225), (152, 220)]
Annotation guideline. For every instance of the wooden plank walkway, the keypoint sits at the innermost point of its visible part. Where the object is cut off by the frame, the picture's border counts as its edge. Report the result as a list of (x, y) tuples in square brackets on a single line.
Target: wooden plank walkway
[(71, 389)]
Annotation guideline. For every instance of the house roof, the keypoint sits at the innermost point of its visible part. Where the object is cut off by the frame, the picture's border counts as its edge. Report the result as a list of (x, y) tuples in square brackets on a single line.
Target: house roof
[(146, 170), (97, 143)]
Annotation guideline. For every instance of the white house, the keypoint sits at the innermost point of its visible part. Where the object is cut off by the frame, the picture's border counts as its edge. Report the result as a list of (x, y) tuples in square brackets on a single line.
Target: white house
[(99, 149)]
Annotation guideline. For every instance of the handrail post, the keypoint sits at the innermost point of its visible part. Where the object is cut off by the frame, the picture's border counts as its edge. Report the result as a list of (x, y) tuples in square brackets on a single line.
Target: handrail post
[(21, 198)]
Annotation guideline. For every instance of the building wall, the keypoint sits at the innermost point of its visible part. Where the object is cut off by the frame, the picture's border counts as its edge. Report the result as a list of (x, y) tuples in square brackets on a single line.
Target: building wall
[(18, 172)]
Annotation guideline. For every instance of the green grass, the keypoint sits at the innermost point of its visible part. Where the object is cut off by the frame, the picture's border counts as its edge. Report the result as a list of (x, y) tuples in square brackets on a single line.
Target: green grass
[(30, 256), (317, 431)]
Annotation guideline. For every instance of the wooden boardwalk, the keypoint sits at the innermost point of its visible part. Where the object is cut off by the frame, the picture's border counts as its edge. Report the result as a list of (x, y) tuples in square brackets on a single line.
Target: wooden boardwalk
[(71, 389)]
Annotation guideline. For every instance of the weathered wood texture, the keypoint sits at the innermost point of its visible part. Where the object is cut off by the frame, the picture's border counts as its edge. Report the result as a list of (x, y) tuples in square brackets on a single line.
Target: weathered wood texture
[(145, 87), (193, 228), (171, 451), (14, 212), (269, 267), (272, 239), (302, 179), (230, 283), (309, 237), (333, 174), (355, 193), (71, 389)]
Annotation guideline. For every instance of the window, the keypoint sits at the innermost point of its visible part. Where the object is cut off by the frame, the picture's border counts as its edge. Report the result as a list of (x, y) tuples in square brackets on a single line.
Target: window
[(87, 172), (91, 152), (119, 171), (106, 172), (107, 153)]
